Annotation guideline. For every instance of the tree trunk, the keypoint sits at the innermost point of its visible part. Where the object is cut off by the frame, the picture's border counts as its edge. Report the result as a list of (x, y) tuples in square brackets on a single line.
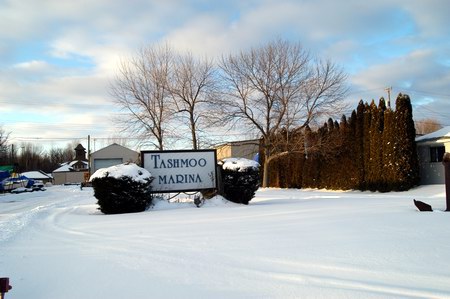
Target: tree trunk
[(265, 182), (193, 132)]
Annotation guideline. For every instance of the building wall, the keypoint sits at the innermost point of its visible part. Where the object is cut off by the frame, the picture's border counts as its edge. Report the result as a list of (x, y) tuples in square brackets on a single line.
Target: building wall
[(223, 151), (112, 152), (247, 150), (431, 172), (243, 149), (69, 177)]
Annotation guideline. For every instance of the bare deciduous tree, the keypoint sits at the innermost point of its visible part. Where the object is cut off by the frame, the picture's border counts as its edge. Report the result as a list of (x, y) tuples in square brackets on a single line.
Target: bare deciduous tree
[(193, 87), (426, 126), (279, 85), (161, 91), (3, 145), (30, 156), (141, 89)]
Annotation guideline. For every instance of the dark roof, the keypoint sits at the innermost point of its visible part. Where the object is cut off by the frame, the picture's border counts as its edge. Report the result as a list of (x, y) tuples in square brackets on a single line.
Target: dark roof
[(80, 147)]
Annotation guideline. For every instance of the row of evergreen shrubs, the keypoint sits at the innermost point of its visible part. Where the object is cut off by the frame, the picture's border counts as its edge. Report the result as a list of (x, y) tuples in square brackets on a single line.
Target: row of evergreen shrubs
[(117, 191), (374, 149)]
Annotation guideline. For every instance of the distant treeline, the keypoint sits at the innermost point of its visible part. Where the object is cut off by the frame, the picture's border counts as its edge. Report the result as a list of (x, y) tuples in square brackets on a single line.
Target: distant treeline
[(373, 150)]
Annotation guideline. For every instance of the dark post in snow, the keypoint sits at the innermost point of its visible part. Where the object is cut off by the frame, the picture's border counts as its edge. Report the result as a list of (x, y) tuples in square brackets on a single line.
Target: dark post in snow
[(446, 162), (4, 286)]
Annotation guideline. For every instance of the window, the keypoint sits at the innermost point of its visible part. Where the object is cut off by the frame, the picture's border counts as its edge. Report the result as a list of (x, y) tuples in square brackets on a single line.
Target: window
[(437, 153)]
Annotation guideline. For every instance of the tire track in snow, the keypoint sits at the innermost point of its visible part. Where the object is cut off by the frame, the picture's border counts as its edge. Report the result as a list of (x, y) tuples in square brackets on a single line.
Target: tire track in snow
[(329, 277), (355, 285), (16, 222)]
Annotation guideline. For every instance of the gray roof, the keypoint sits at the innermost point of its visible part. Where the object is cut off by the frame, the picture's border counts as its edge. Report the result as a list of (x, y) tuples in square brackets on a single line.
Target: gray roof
[(38, 175), (442, 133)]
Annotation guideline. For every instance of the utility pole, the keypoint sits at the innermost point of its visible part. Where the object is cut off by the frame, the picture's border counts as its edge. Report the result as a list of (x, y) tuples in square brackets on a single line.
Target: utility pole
[(389, 89), (89, 155)]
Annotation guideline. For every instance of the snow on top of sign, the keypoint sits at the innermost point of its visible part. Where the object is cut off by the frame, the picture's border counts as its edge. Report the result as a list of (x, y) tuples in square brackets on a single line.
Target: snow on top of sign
[(131, 170), (239, 164)]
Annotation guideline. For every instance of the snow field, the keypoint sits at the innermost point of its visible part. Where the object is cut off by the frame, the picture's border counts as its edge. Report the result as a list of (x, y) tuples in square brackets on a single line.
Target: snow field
[(285, 244)]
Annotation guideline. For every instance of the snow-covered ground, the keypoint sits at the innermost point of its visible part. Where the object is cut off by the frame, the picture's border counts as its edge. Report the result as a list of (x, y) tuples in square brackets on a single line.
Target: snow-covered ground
[(284, 244)]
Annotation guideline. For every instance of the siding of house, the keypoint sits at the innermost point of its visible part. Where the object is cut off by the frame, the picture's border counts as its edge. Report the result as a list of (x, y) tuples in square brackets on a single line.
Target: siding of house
[(112, 155), (239, 149), (223, 151), (432, 172), (68, 177)]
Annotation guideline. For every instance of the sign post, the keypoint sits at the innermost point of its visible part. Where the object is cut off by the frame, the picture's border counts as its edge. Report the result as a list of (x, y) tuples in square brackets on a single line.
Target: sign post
[(446, 162), (181, 170), (4, 286)]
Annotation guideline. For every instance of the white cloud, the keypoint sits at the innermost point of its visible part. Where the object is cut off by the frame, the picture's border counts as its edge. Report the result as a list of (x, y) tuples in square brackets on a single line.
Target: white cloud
[(62, 54), (419, 68), (32, 65)]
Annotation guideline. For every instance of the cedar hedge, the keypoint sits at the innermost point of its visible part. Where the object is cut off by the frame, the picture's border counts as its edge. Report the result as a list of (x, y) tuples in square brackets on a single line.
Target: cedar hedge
[(122, 195), (372, 150), (240, 184)]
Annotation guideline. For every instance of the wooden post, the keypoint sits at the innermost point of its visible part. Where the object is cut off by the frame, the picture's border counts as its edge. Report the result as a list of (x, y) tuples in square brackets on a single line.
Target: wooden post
[(4, 287), (446, 162), (219, 180)]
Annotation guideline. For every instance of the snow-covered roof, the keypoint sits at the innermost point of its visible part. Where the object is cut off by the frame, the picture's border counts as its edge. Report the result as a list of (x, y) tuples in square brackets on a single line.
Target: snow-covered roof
[(442, 133), (131, 170), (67, 166), (38, 175)]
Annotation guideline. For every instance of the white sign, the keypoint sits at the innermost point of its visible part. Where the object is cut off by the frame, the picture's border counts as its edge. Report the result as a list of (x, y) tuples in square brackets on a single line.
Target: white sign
[(175, 171)]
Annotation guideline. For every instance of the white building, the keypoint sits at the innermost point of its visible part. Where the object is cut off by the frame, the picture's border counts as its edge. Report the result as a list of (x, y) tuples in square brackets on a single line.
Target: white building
[(38, 175), (238, 149), (431, 149), (74, 172), (111, 155)]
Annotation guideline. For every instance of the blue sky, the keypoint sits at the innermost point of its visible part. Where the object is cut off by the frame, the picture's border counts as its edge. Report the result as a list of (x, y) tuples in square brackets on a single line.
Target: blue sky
[(58, 58)]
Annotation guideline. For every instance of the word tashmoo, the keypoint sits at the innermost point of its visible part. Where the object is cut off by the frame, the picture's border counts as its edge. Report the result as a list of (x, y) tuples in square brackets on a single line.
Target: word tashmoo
[(176, 163)]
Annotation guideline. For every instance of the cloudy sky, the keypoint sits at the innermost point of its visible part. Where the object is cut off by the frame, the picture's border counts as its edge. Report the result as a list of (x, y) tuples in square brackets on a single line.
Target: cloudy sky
[(58, 57)]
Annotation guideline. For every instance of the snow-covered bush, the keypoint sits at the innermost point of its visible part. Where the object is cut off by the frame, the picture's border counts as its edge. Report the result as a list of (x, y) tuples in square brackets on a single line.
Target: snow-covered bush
[(122, 188), (240, 179)]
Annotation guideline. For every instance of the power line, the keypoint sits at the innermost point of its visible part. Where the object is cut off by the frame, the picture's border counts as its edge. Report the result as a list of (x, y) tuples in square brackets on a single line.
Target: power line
[(424, 92)]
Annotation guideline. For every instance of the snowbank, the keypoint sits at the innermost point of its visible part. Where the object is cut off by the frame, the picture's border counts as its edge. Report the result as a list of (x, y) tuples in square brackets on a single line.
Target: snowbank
[(285, 244), (131, 170)]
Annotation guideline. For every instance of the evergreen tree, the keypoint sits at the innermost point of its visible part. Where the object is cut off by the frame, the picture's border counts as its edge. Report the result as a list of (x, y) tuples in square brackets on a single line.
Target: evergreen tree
[(388, 157), (336, 165), (378, 140), (359, 144), (311, 168), (376, 148), (345, 168), (407, 166), (366, 146), (371, 147), (352, 155)]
